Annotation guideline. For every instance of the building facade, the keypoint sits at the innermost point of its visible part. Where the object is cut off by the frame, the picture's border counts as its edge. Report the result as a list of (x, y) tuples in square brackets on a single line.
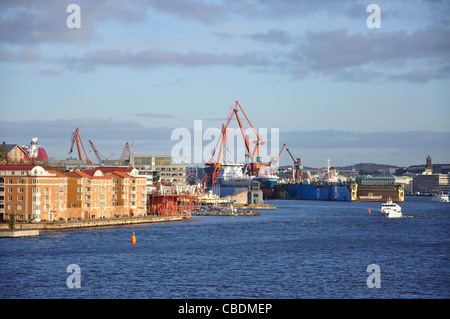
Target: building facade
[(14, 153), (32, 193), (431, 184)]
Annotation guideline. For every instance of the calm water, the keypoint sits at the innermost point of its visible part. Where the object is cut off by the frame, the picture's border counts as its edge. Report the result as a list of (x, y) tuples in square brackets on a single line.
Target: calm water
[(304, 249)]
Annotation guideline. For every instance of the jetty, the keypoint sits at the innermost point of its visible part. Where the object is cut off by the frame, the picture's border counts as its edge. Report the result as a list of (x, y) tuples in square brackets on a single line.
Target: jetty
[(18, 233), (224, 212), (86, 223)]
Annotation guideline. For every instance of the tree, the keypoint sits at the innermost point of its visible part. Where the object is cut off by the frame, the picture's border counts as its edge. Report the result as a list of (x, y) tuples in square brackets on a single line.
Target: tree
[(12, 222)]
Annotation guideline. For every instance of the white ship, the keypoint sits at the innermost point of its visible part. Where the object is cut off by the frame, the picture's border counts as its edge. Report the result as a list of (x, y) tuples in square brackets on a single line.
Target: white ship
[(440, 197), (391, 210), (232, 174)]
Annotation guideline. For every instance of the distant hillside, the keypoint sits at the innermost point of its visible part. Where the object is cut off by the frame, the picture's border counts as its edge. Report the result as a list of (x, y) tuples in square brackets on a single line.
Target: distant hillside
[(367, 168)]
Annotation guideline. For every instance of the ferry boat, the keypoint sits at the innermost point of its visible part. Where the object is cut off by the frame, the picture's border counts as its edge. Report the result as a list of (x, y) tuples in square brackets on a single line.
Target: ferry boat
[(391, 210), (440, 197)]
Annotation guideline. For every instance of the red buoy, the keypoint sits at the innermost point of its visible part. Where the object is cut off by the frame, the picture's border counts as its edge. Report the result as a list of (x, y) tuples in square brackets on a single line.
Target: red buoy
[(133, 239)]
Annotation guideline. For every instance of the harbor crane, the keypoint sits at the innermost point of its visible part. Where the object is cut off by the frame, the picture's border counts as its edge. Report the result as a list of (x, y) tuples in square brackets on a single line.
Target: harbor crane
[(274, 161), (297, 166), (76, 138), (97, 154), (213, 166), (126, 152)]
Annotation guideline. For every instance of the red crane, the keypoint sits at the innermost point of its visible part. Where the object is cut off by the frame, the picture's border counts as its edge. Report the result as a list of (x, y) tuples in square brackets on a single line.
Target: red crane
[(274, 161), (125, 152), (76, 137), (297, 166), (95, 151), (215, 164)]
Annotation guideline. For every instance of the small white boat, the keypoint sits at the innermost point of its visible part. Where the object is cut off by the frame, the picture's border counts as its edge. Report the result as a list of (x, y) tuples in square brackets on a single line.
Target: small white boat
[(441, 197), (391, 210)]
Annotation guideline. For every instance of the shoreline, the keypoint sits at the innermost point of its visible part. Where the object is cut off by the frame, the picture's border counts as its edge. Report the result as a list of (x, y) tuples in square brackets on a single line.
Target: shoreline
[(225, 213), (88, 223)]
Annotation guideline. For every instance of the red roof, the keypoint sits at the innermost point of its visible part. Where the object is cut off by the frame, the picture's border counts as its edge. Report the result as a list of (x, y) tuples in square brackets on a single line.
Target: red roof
[(114, 169), (17, 167)]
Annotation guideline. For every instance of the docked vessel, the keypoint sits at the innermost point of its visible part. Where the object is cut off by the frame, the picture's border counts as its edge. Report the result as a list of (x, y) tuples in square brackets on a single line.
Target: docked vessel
[(325, 184), (391, 210), (334, 192), (440, 197), (231, 180), (233, 174), (35, 152)]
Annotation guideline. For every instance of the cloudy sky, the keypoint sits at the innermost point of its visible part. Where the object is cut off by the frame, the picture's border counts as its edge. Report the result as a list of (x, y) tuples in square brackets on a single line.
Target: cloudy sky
[(314, 70)]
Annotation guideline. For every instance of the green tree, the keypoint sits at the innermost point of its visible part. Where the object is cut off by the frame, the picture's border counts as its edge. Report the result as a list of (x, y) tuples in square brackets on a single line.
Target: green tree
[(12, 222)]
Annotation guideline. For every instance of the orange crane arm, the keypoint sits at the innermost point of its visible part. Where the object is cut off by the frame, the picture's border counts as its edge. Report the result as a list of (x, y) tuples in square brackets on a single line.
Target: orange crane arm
[(95, 151), (125, 152), (76, 137), (275, 161), (247, 144), (290, 155)]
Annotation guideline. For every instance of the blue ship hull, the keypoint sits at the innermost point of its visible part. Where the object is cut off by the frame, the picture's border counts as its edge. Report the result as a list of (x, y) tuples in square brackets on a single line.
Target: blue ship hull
[(318, 192)]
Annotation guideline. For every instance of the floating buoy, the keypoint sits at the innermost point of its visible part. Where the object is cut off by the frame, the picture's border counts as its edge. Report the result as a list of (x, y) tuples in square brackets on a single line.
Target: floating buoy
[(369, 210), (133, 239)]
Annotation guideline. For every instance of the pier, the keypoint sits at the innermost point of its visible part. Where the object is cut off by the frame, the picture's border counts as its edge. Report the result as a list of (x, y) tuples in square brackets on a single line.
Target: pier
[(86, 223), (18, 233)]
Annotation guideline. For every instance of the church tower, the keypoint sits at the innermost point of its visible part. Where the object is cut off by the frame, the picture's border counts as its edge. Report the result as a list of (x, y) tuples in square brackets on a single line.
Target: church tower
[(429, 167)]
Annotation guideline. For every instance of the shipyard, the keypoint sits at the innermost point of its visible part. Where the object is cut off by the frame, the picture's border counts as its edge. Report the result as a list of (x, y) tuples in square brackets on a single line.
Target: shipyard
[(232, 157), (40, 193)]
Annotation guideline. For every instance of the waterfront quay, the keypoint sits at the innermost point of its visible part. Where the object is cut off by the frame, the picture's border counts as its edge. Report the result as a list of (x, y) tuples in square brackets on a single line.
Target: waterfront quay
[(86, 223)]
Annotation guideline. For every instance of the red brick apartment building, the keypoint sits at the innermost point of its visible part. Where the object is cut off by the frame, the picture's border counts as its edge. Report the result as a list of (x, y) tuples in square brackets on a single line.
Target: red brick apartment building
[(33, 193)]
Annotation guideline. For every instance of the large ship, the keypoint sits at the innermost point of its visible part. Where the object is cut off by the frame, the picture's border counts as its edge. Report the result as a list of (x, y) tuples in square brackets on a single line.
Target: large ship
[(233, 174), (231, 180), (35, 152), (325, 184), (334, 192)]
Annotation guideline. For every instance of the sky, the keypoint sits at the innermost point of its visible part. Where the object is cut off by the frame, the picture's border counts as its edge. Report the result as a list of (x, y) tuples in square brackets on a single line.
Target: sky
[(316, 74)]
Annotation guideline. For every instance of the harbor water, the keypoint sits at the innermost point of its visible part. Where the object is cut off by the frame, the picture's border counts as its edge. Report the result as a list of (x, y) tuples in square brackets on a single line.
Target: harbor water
[(303, 249)]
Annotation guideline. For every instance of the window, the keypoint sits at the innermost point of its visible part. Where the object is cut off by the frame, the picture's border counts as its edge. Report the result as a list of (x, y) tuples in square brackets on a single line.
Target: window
[(20, 198), (19, 207)]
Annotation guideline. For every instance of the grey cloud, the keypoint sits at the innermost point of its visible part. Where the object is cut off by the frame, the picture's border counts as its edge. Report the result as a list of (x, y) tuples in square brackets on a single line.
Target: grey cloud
[(153, 115), (271, 36), (380, 140), (156, 57), (108, 135), (348, 147), (345, 56), (31, 22)]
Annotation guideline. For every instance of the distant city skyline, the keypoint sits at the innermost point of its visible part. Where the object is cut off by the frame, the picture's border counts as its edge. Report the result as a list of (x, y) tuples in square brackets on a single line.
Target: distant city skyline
[(334, 87)]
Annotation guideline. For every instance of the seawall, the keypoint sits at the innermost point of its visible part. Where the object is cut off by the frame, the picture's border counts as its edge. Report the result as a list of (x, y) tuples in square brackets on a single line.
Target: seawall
[(85, 223)]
